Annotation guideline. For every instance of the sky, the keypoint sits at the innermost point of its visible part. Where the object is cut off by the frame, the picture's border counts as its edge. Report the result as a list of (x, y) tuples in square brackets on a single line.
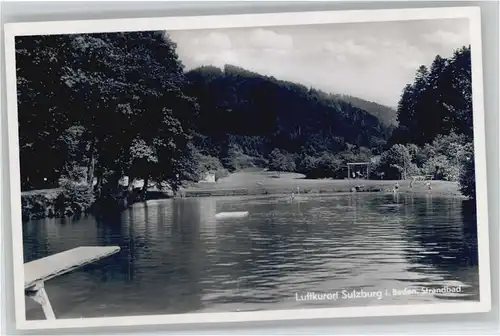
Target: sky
[(373, 60)]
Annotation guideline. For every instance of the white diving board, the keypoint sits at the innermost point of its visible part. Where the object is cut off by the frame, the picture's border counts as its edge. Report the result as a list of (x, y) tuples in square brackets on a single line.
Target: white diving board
[(38, 271)]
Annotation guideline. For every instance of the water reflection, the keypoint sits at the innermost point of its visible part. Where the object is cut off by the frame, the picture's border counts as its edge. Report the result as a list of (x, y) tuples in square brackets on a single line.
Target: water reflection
[(448, 241), (175, 257)]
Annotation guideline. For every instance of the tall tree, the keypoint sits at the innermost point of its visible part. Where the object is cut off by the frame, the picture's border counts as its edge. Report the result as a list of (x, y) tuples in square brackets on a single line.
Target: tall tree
[(134, 106), (439, 101), (42, 109), (124, 94)]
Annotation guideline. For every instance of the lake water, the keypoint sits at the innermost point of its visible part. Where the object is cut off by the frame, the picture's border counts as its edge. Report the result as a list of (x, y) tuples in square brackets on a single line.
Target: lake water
[(176, 258)]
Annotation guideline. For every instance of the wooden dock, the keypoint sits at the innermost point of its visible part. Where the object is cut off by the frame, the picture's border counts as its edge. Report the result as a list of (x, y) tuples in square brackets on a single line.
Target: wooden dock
[(38, 271)]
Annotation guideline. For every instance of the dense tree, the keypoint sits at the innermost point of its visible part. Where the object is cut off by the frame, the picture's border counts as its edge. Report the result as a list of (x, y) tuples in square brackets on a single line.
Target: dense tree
[(445, 158), (42, 114), (138, 94), (281, 161), (327, 165), (438, 102), (396, 163), (118, 98)]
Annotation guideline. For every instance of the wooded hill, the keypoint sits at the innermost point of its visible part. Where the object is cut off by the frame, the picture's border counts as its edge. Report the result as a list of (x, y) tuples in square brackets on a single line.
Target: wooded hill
[(386, 115), (260, 113)]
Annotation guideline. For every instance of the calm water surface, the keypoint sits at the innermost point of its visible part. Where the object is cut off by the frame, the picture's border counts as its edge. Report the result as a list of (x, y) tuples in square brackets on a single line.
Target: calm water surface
[(176, 258)]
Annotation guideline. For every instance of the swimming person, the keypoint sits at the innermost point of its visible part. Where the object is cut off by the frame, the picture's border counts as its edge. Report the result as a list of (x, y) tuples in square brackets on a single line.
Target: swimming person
[(396, 188)]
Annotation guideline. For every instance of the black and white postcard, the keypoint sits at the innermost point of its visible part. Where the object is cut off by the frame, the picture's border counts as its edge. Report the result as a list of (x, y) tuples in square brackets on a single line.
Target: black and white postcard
[(247, 167)]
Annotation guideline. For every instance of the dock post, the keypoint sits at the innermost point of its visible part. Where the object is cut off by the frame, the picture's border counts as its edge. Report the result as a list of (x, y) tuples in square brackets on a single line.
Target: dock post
[(39, 295)]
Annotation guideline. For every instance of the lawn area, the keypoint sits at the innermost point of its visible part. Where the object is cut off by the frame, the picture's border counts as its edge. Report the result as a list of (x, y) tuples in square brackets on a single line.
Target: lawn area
[(265, 182), (36, 203)]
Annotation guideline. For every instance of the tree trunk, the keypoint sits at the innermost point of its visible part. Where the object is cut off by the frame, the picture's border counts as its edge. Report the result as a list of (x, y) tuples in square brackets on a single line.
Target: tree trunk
[(91, 169), (129, 194), (130, 186), (145, 188), (92, 163), (98, 185)]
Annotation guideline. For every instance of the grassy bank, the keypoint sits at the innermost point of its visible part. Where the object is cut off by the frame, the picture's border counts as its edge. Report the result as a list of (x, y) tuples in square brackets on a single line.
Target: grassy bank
[(270, 183)]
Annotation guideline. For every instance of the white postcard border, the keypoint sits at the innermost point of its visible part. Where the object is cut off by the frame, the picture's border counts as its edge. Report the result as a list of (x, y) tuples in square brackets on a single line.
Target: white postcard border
[(251, 20)]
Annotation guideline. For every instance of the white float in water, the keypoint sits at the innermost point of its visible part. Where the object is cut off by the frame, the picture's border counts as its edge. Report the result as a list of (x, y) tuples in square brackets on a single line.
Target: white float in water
[(234, 214)]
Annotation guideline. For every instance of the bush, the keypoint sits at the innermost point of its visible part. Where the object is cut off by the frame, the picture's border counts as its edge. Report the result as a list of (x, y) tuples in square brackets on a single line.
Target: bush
[(196, 165), (76, 196), (327, 165), (242, 161), (443, 158), (236, 159), (208, 163), (38, 204), (306, 165), (281, 161), (360, 154), (441, 168), (418, 155), (396, 163), (448, 143)]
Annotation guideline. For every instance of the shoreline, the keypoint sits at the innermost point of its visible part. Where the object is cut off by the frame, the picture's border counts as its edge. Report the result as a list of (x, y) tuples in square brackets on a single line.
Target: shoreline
[(263, 183), (39, 204), (195, 193)]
